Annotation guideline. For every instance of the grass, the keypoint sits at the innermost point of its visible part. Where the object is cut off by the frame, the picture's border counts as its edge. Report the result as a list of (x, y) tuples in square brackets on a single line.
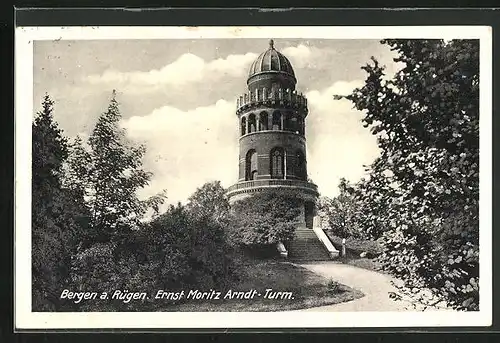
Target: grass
[(354, 247), (307, 289), (362, 262)]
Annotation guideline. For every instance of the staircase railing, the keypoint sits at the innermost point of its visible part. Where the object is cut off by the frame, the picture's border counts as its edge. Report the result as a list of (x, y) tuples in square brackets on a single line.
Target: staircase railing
[(332, 251), (282, 250)]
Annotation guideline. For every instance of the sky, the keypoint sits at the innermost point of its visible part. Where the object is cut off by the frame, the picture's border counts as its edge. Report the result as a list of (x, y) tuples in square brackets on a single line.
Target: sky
[(178, 97)]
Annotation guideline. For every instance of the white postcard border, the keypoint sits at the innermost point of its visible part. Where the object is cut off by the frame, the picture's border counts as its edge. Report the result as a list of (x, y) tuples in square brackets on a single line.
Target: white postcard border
[(25, 319)]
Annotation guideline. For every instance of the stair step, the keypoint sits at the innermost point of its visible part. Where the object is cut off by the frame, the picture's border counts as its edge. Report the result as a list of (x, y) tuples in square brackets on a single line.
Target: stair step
[(307, 247)]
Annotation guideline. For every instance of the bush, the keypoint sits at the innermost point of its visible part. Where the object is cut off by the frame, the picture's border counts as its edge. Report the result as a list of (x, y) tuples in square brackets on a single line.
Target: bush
[(96, 269), (193, 251), (265, 218), (334, 287), (175, 251)]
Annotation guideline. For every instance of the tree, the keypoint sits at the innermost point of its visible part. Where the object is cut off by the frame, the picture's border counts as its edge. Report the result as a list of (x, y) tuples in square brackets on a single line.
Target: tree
[(340, 212), (54, 230), (109, 173), (191, 250), (210, 201), (265, 218), (421, 196)]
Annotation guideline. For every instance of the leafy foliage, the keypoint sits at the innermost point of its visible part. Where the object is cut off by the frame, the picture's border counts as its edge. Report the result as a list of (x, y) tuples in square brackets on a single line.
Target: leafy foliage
[(334, 287), (90, 231), (176, 251), (199, 244), (265, 218), (54, 214), (108, 172), (340, 214), (210, 201), (421, 196)]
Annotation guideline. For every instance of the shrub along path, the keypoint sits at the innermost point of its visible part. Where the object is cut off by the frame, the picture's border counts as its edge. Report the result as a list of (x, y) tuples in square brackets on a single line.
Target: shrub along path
[(376, 287)]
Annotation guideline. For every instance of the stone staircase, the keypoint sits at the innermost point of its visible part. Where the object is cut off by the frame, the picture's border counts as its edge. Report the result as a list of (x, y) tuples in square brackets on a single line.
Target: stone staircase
[(306, 247)]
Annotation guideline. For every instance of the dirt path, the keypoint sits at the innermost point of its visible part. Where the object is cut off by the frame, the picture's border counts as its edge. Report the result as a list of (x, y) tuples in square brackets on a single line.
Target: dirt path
[(375, 286)]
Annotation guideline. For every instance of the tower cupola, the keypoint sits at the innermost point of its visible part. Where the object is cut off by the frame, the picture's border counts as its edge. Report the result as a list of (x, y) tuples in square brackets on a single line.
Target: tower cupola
[(271, 68)]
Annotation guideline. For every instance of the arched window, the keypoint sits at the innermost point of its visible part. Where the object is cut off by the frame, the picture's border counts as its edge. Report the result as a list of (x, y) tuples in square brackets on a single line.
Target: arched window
[(300, 165), (243, 126), (251, 165), (276, 121), (251, 123), (263, 121), (277, 163)]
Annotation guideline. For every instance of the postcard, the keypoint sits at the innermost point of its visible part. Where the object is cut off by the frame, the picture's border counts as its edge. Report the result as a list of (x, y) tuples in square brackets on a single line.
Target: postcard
[(253, 177)]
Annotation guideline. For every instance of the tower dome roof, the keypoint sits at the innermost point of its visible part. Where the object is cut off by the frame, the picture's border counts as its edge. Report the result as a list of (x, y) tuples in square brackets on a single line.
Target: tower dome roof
[(271, 61)]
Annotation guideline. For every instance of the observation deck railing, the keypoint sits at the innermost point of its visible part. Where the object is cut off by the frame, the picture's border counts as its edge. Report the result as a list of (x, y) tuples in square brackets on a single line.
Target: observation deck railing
[(282, 96), (272, 183)]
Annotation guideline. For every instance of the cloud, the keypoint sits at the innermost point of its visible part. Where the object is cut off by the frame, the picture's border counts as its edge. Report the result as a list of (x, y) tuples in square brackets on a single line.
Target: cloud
[(302, 56), (186, 69), (189, 148), (189, 69), (337, 143)]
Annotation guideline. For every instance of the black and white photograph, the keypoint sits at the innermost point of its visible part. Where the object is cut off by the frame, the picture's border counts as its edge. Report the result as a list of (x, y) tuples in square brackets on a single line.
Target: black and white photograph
[(197, 177)]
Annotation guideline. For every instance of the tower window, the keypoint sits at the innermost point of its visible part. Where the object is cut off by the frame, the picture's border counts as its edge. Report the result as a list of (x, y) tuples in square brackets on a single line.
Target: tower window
[(251, 123), (277, 120), (263, 121), (251, 165), (243, 126), (277, 163)]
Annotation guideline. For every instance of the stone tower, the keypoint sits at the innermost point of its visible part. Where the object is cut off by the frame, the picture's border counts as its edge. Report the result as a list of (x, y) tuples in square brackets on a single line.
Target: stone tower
[(272, 143)]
